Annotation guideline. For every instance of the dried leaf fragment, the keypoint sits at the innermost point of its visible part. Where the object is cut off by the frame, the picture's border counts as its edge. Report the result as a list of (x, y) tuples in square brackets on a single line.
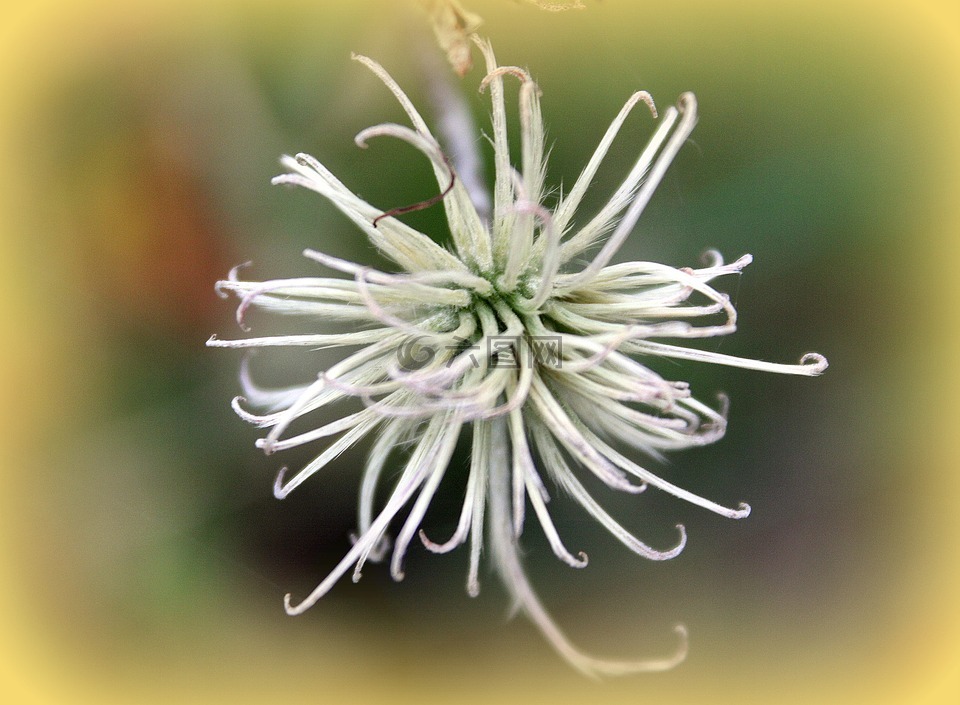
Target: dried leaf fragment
[(452, 25)]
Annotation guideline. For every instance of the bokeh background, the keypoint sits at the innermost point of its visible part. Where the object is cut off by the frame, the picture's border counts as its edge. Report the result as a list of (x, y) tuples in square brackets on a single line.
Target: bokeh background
[(143, 558)]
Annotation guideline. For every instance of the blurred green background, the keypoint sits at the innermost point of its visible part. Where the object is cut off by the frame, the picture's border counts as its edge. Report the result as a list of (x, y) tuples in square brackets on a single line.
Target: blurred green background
[(142, 555)]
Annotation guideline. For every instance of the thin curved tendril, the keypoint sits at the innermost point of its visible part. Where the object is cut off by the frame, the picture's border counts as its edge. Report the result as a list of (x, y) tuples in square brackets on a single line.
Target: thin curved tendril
[(422, 205)]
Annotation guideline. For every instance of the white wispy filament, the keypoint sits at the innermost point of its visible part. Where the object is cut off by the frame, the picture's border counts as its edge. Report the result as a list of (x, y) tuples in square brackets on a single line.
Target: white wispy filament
[(427, 347)]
